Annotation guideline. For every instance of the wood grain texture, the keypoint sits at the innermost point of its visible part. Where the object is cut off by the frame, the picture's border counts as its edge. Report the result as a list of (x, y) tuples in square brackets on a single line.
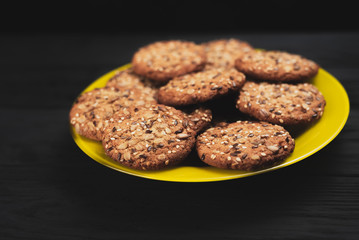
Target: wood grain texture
[(51, 190)]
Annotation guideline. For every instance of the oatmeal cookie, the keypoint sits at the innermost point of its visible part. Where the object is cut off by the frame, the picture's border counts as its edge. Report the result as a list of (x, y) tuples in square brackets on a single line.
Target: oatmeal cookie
[(153, 138), (276, 66), (222, 53), (128, 79), (281, 103), (93, 110), (161, 61), (244, 145), (200, 87)]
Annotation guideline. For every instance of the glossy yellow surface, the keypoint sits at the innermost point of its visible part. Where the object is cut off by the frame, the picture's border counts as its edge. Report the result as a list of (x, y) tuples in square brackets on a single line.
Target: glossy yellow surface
[(308, 141)]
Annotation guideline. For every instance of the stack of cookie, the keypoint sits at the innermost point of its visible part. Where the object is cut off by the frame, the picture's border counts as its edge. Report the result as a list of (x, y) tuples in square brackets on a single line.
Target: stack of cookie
[(142, 117)]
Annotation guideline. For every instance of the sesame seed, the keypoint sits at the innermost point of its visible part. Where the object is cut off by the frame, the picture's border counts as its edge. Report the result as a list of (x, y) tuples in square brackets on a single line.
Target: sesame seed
[(127, 156), (183, 136)]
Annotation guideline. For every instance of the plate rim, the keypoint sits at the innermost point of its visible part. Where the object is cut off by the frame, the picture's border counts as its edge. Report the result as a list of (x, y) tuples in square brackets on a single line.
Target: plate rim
[(77, 140)]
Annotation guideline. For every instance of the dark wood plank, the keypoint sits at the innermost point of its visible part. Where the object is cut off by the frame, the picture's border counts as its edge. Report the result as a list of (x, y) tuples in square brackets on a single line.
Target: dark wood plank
[(51, 190)]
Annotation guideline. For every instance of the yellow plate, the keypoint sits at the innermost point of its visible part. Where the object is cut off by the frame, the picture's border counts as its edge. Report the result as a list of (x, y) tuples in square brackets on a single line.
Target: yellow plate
[(308, 142)]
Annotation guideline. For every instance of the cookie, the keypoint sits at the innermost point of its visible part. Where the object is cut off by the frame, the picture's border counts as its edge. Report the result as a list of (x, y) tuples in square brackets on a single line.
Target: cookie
[(281, 103), (161, 61), (200, 87), (93, 110), (153, 138), (276, 66), (222, 53), (244, 145), (129, 79), (199, 119)]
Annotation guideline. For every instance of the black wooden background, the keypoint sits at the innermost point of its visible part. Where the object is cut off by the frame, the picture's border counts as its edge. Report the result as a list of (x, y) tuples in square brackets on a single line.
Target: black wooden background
[(49, 189)]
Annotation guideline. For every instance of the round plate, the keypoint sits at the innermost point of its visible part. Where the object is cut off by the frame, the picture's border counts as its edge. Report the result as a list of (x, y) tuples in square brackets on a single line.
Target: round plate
[(309, 141)]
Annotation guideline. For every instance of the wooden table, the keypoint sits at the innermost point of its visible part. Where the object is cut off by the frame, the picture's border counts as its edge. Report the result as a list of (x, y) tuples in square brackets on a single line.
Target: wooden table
[(49, 189)]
